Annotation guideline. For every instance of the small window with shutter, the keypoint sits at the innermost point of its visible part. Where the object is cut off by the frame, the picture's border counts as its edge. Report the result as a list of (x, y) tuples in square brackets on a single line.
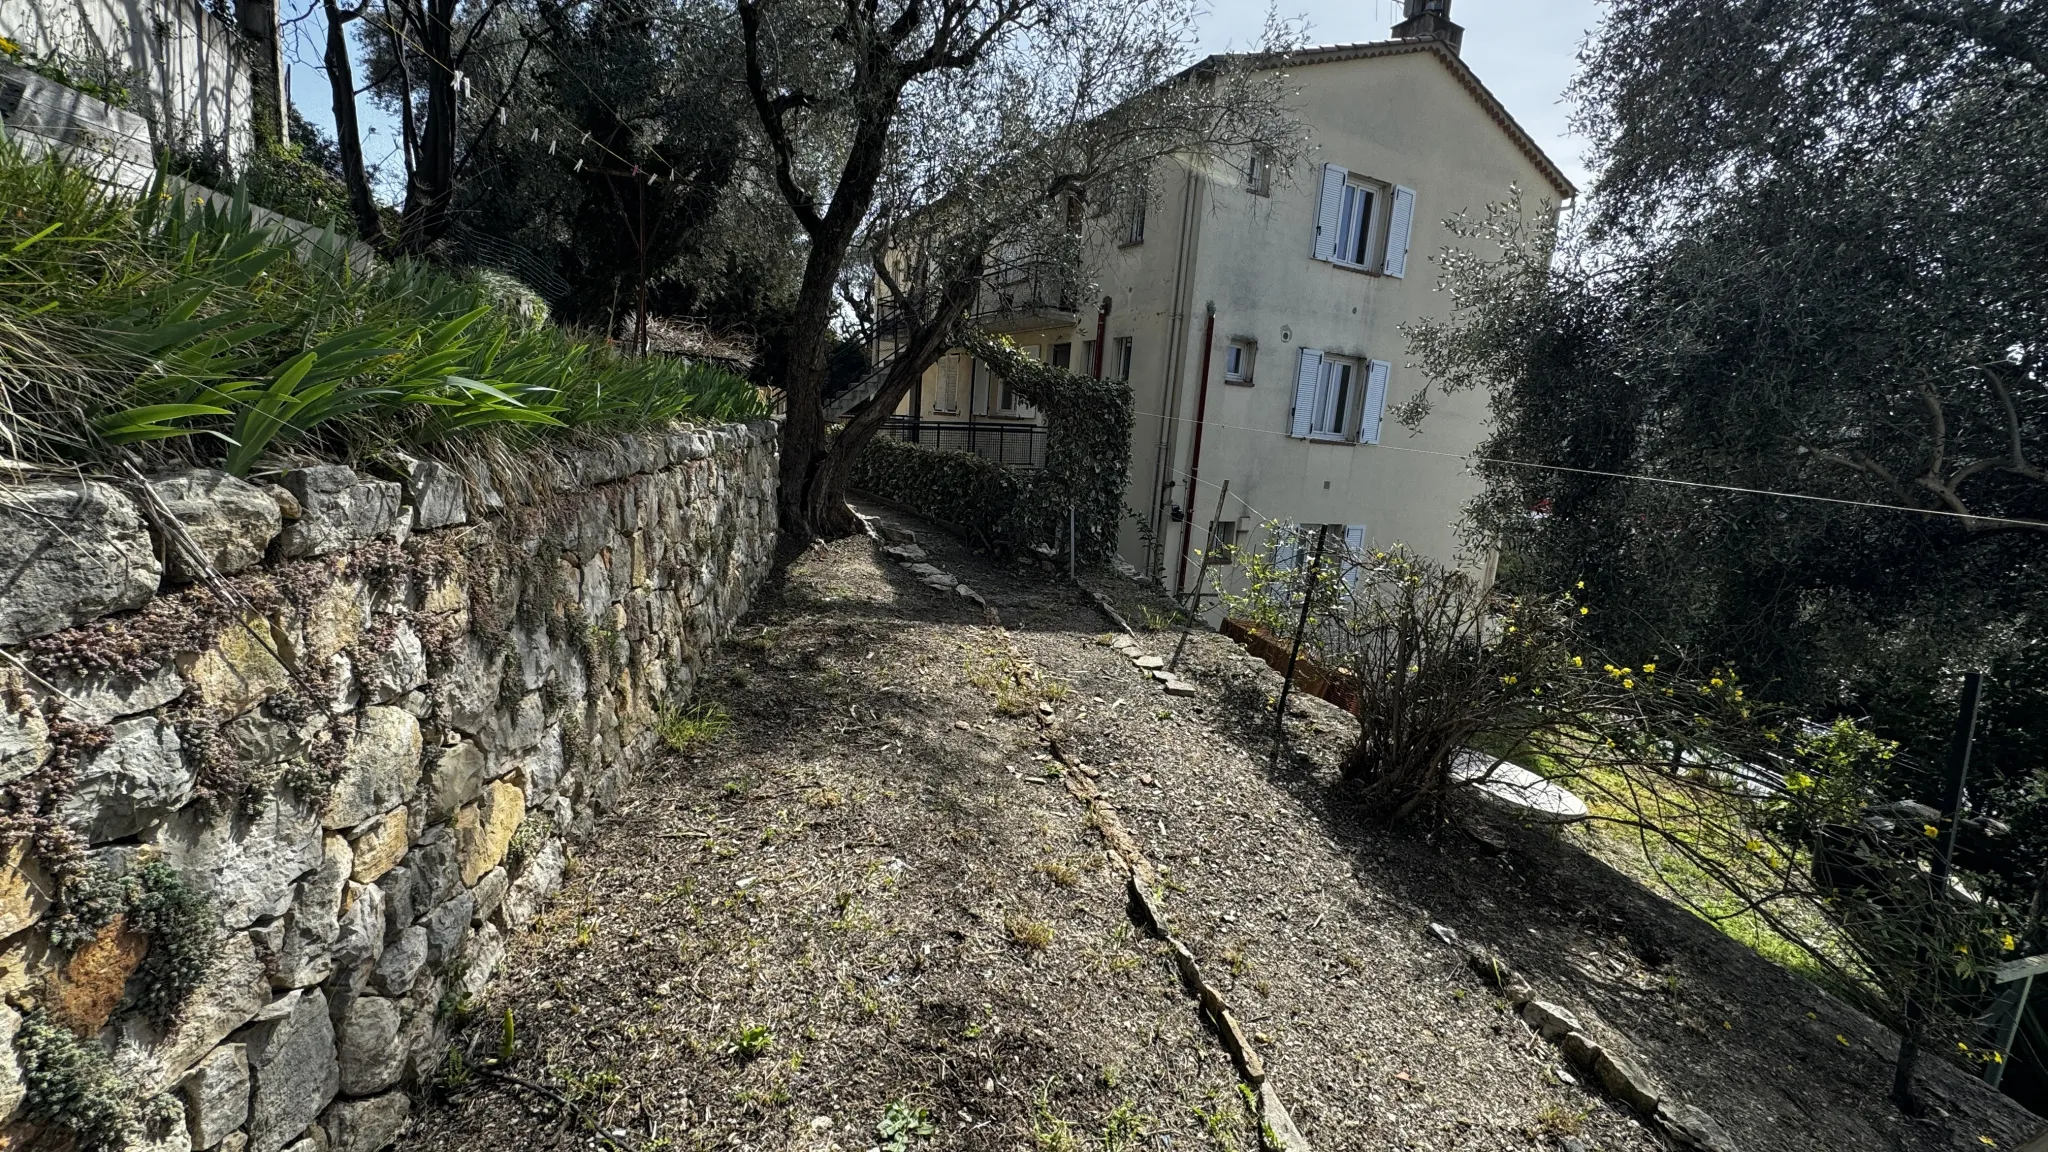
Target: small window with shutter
[(948, 399)]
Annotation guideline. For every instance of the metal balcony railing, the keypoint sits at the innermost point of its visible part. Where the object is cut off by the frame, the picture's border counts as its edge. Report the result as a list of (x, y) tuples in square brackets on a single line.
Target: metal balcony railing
[(1012, 445)]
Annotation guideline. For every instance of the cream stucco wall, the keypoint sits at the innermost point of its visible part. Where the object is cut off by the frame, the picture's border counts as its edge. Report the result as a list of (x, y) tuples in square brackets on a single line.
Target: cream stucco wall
[(1404, 119)]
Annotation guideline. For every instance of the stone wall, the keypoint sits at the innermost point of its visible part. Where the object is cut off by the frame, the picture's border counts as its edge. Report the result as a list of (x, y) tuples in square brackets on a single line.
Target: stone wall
[(266, 832)]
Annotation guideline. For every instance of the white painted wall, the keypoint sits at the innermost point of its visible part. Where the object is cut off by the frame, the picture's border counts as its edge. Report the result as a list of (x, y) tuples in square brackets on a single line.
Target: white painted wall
[(190, 73)]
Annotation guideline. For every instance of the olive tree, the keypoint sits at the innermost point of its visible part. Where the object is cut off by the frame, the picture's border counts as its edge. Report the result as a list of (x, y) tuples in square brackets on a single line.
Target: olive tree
[(921, 142)]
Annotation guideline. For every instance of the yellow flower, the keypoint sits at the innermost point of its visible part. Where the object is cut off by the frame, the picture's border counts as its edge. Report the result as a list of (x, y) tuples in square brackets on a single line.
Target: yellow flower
[(1930, 830), (1843, 1039), (1714, 683), (1649, 668), (1627, 683), (1507, 679), (13, 49), (2009, 942), (1582, 584), (1754, 845), (1584, 611), (1578, 661), (1962, 1046), (1798, 782)]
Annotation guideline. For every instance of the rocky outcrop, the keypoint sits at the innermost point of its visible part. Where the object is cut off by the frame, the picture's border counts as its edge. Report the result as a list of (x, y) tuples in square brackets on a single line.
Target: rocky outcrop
[(371, 768)]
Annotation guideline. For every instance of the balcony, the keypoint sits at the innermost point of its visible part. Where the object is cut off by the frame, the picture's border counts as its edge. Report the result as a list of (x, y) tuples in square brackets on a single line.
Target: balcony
[(1024, 295)]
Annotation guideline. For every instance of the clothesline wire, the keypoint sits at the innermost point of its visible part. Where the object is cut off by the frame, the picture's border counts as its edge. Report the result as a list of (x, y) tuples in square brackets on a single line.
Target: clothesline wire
[(1470, 458)]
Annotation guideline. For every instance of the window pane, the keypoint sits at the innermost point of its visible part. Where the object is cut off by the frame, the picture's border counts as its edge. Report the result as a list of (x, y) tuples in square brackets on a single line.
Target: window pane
[(1063, 355)]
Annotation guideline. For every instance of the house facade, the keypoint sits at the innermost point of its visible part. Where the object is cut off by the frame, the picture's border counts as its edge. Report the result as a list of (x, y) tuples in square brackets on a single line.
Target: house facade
[(1257, 315)]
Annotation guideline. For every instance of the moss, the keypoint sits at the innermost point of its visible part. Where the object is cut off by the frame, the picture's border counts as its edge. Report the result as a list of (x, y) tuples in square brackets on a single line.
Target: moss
[(71, 1084)]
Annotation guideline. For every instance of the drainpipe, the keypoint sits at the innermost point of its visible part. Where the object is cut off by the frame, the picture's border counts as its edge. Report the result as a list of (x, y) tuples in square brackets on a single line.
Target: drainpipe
[(1101, 327), (1180, 573), (1177, 336)]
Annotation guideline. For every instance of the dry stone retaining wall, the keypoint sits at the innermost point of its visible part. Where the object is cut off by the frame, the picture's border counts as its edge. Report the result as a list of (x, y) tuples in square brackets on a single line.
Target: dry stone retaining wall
[(352, 757)]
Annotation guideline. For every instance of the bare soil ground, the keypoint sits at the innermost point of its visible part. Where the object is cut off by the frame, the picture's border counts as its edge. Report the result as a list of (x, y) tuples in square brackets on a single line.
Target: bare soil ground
[(872, 898)]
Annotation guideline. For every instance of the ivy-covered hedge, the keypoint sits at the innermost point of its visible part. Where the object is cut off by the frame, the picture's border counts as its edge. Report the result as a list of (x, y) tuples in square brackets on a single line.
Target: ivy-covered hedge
[(1087, 451), (975, 497)]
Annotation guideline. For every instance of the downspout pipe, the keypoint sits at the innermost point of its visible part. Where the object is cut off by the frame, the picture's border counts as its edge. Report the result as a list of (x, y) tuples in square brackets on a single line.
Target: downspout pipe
[(1187, 524), (1101, 330)]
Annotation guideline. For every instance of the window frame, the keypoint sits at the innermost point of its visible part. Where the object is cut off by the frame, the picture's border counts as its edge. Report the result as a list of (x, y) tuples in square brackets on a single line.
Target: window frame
[(1258, 173), (1370, 232), (1122, 348), (1219, 551), (1338, 384), (1248, 356)]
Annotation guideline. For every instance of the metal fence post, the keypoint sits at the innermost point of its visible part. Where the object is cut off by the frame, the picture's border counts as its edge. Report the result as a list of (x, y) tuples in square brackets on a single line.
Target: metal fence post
[(1308, 598)]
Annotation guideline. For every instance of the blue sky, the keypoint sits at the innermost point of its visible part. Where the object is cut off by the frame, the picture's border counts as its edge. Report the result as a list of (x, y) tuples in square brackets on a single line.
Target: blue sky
[(1524, 50)]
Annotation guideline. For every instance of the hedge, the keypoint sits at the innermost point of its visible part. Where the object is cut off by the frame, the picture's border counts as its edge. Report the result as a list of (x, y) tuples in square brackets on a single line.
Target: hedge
[(973, 496)]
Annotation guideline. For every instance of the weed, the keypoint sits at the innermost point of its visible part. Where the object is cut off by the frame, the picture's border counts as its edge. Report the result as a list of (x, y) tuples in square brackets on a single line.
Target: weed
[(749, 1042), (1223, 1124), (454, 1075), (508, 1039), (1061, 873), (591, 1085), (901, 1123), (1049, 1133), (1123, 1128), (684, 729), (1028, 933), (1236, 960), (1557, 1120), (1110, 1076)]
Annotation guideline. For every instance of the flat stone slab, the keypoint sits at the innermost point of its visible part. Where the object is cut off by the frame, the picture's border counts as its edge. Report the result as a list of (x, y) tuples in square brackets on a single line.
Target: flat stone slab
[(1149, 663), (1522, 792)]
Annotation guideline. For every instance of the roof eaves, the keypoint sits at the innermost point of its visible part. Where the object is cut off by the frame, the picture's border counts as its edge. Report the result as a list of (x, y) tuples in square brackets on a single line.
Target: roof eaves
[(1334, 53)]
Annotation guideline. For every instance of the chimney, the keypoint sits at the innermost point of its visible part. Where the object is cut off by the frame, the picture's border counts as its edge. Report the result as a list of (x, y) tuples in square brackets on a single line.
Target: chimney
[(1430, 20)]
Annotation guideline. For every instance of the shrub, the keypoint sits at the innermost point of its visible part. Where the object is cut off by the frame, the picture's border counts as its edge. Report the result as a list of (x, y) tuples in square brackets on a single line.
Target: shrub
[(973, 496)]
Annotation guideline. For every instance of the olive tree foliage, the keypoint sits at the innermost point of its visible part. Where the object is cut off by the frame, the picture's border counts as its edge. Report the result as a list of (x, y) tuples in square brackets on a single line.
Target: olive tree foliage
[(923, 142), (1813, 263)]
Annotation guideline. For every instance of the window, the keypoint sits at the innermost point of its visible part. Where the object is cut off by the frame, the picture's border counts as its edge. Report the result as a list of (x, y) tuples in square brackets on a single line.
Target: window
[(1063, 355), (1237, 361), (1120, 368), (1133, 227), (948, 399), (1087, 357), (1256, 181), (1333, 399), (1338, 398), (1363, 224), (1222, 538)]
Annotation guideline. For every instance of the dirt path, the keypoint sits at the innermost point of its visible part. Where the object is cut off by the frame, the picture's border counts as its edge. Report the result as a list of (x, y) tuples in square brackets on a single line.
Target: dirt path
[(873, 901)]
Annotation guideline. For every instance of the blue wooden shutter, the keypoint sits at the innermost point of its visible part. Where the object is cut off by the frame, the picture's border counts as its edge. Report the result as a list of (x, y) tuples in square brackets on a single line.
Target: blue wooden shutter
[(1305, 379), (1400, 224), (1329, 211), (1354, 552), (1375, 405)]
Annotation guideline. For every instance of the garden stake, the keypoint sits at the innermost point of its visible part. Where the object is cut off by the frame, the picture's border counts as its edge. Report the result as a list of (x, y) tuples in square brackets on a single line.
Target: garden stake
[(1937, 881), (1315, 562), (1201, 573)]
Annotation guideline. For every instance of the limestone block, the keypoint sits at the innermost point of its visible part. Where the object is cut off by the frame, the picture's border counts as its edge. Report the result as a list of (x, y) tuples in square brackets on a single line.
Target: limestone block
[(379, 846), (396, 885), (258, 739), (1691, 1128), (235, 989), (467, 689), (484, 830), (25, 888), (167, 1132), (140, 777), (216, 1093), (293, 1065), (453, 780), (536, 881), (367, 1046), (239, 669), (24, 734), (1549, 1019), (518, 728), (486, 951), (401, 962), (436, 869), (231, 520), (433, 489), (109, 696), (446, 927), (84, 992), (338, 510), (11, 1090), (249, 863), (70, 553), (1626, 1081), (381, 769), (396, 670), (366, 1125), (490, 891), (332, 622), (305, 955)]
